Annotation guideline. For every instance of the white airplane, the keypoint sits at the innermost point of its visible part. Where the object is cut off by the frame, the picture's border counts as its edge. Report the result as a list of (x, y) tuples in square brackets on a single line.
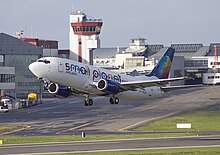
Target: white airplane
[(67, 77)]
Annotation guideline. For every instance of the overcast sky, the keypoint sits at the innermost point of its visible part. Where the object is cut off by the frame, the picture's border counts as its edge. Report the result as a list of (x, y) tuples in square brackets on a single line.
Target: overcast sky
[(159, 21)]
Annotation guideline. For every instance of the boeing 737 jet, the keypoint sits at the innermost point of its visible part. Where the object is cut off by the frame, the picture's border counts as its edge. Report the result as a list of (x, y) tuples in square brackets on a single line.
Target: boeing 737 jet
[(67, 77)]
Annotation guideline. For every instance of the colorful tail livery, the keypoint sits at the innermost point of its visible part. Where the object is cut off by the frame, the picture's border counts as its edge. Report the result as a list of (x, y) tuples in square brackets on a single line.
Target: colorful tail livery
[(162, 68)]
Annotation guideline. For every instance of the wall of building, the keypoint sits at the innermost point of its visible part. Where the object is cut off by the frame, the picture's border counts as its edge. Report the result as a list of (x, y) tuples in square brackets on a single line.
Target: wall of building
[(120, 59), (134, 62), (19, 54), (25, 81), (104, 62), (7, 79), (50, 53)]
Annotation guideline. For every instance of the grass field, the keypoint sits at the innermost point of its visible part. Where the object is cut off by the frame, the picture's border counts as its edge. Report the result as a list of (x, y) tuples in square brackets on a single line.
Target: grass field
[(44, 139), (200, 120)]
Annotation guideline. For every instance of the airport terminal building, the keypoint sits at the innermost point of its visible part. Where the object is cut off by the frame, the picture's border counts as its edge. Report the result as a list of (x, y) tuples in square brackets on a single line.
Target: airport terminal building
[(193, 60), (16, 55)]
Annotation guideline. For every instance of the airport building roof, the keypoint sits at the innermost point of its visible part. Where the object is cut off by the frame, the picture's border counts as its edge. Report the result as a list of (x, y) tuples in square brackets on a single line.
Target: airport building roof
[(189, 50), (103, 53), (12, 45), (203, 51)]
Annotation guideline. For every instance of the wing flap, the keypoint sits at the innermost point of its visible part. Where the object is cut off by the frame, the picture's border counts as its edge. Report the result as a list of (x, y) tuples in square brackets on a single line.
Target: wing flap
[(171, 88), (131, 85)]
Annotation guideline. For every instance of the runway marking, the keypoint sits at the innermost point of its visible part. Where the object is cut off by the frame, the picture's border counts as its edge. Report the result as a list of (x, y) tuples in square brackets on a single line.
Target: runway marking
[(87, 124), (52, 107), (17, 130), (78, 127), (186, 96), (133, 149), (140, 110), (144, 121)]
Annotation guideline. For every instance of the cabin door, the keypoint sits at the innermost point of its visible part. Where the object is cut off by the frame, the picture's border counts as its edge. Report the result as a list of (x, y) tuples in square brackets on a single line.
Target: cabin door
[(60, 66)]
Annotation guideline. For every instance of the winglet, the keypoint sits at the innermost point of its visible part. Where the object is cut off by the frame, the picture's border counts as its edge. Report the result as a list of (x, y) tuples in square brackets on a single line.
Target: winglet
[(162, 68)]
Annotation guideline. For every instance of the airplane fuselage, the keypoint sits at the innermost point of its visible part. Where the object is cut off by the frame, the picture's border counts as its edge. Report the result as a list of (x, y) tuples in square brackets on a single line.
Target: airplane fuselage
[(82, 77)]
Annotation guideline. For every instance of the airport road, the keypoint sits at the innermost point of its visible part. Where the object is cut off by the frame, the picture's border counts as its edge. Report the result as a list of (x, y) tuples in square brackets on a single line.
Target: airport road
[(107, 145), (70, 116)]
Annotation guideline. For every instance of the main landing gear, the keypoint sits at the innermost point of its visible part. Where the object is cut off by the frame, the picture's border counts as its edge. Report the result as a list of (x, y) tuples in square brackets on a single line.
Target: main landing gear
[(114, 100), (88, 101)]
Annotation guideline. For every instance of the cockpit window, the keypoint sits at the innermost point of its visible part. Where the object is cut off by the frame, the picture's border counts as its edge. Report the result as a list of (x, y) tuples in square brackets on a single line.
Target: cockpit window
[(44, 61)]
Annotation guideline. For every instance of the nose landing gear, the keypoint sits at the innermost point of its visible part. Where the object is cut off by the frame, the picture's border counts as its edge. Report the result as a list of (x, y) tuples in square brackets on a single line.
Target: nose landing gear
[(88, 101)]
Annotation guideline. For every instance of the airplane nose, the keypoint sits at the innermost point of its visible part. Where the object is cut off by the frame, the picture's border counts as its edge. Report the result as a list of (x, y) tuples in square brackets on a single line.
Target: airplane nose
[(34, 68)]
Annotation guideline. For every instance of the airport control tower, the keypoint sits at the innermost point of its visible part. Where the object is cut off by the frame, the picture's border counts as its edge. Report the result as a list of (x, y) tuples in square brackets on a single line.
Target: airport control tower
[(84, 37)]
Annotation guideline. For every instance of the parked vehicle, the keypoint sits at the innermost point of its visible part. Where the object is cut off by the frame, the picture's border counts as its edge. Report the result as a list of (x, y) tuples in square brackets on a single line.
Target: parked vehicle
[(5, 101), (2, 109)]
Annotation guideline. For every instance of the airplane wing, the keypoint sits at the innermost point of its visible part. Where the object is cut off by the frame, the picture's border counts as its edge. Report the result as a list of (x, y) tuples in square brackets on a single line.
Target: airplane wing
[(170, 88), (132, 85)]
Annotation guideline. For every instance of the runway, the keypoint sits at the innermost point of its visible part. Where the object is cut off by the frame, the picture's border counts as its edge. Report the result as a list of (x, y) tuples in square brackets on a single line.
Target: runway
[(111, 145), (69, 116)]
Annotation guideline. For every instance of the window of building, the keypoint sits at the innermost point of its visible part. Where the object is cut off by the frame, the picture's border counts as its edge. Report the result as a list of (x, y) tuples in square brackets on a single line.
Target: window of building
[(7, 78)]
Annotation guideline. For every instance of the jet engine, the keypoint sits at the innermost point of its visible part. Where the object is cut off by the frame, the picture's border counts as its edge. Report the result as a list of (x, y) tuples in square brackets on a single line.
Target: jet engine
[(63, 91), (108, 86)]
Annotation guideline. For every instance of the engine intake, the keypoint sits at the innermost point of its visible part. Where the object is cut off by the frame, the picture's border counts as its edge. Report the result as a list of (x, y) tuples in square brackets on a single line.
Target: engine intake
[(63, 91), (108, 86)]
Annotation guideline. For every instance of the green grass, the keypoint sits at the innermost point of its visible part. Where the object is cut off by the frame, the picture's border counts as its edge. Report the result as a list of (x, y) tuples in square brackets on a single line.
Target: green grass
[(187, 151), (44, 139), (200, 121)]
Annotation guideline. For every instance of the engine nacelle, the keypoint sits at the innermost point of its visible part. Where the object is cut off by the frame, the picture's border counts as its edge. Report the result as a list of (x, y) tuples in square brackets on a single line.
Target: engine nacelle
[(63, 91), (108, 86)]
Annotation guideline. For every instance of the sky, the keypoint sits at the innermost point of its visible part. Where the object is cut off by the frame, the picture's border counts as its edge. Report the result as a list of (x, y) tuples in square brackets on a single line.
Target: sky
[(158, 21)]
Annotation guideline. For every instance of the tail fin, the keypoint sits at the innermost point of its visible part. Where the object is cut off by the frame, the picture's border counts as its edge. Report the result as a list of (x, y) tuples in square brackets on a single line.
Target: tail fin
[(162, 68)]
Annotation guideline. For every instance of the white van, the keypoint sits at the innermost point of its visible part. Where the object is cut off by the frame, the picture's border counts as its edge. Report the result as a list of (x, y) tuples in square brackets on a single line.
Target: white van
[(3, 109)]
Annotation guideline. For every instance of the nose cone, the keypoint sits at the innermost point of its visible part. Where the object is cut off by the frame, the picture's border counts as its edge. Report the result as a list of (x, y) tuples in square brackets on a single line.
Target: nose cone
[(35, 69)]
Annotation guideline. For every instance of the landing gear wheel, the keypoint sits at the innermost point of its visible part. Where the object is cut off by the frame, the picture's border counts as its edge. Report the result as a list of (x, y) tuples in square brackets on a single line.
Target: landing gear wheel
[(111, 100), (90, 102), (86, 102), (116, 100)]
